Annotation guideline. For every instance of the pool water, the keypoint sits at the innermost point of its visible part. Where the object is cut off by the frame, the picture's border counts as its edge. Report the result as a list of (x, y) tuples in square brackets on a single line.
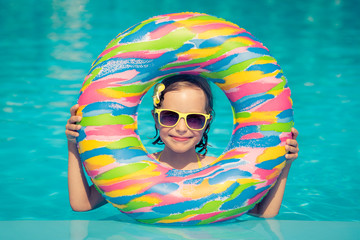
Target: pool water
[(48, 46)]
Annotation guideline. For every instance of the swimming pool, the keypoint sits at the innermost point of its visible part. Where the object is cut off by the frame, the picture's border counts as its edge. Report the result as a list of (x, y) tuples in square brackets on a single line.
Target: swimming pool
[(47, 48)]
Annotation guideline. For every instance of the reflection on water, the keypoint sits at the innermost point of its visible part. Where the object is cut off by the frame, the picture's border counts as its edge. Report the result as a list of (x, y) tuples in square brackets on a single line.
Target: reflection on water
[(111, 230), (80, 230)]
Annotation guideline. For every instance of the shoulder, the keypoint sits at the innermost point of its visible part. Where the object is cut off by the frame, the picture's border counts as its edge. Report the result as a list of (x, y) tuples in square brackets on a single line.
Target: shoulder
[(156, 155), (206, 160)]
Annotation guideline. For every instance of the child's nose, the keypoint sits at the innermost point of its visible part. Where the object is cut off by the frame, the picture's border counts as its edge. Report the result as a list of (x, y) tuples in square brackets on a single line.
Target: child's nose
[(181, 126)]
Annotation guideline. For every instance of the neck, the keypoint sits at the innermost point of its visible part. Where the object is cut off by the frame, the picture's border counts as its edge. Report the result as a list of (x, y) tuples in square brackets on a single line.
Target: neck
[(186, 160)]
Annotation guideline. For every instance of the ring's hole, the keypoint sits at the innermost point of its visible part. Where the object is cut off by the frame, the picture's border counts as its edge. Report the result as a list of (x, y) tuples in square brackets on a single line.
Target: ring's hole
[(146, 124), (220, 129)]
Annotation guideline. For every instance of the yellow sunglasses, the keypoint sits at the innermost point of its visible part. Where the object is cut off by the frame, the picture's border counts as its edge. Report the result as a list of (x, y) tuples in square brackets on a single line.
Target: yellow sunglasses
[(194, 121)]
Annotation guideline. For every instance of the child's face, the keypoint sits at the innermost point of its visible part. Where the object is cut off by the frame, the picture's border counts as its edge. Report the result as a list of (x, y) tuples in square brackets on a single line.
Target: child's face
[(180, 138)]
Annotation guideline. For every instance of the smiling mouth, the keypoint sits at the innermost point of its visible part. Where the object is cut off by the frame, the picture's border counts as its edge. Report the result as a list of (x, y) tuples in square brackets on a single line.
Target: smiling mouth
[(181, 139)]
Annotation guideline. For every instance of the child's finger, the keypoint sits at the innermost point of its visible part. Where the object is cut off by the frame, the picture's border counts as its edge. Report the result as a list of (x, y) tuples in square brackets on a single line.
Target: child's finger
[(292, 142), (294, 132), (75, 119), (72, 127), (73, 109), (290, 149), (291, 156), (71, 134)]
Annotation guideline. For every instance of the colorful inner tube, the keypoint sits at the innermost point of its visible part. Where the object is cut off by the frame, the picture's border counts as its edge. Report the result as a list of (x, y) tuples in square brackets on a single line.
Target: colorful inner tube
[(184, 43)]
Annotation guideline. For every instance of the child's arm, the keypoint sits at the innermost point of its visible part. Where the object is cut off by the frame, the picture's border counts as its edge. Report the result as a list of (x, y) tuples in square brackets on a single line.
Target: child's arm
[(270, 205), (82, 196)]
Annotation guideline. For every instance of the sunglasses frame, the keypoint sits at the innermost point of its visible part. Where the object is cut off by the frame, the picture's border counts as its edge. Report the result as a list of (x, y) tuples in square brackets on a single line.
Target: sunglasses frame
[(182, 115)]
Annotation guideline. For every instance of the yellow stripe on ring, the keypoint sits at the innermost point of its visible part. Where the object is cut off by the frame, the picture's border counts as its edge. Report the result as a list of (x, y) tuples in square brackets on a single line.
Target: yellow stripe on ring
[(87, 145), (97, 162), (130, 190), (218, 32), (177, 219), (271, 153)]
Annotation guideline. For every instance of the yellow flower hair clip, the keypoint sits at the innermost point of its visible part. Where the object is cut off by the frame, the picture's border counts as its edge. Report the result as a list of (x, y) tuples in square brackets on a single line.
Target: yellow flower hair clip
[(157, 93)]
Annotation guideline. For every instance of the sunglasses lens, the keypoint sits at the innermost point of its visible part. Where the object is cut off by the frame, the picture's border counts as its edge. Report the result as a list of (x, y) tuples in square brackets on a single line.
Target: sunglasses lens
[(168, 118), (195, 121)]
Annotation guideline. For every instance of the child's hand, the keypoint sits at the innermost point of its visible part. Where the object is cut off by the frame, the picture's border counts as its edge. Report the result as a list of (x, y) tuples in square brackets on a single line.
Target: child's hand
[(71, 126), (292, 146)]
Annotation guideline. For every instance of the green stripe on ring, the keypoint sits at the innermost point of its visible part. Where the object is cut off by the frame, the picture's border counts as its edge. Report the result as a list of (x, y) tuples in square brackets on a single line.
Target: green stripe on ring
[(106, 119)]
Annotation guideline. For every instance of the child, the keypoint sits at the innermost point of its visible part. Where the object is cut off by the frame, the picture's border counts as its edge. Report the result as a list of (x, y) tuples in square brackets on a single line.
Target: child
[(183, 110)]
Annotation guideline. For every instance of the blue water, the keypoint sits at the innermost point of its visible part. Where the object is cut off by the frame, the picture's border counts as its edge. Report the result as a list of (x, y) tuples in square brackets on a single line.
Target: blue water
[(47, 48)]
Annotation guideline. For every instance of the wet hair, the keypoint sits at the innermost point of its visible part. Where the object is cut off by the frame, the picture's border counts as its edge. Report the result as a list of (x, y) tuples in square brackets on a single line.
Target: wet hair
[(177, 82)]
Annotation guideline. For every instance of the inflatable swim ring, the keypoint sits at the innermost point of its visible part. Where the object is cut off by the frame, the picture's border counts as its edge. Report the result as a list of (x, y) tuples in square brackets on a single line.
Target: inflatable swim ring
[(187, 43)]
